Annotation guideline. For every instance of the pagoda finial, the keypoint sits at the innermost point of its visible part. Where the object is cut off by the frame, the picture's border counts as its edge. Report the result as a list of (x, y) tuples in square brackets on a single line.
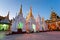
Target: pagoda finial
[(39, 16), (52, 10), (20, 9), (31, 11), (8, 15)]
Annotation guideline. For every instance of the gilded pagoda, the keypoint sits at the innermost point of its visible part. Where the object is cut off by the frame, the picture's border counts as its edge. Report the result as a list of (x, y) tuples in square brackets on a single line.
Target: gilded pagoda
[(54, 22)]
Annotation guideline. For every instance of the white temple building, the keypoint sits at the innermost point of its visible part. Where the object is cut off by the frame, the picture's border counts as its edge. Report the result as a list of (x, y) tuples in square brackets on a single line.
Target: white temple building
[(30, 24), (38, 23), (19, 22), (44, 25)]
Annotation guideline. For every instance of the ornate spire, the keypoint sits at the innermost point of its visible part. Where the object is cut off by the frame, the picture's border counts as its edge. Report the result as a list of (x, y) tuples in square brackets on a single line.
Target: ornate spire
[(42, 19), (31, 12), (30, 15), (20, 9), (53, 14), (8, 15), (52, 10), (16, 13), (39, 16)]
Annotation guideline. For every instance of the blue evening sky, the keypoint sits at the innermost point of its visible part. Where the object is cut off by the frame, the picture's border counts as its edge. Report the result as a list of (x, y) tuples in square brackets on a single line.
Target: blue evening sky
[(43, 7)]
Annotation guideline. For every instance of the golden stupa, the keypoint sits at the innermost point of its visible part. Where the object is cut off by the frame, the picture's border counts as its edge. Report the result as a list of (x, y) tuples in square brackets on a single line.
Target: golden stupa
[(30, 15)]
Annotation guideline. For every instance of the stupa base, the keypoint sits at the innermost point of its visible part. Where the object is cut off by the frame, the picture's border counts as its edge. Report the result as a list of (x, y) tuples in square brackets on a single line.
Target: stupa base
[(18, 32)]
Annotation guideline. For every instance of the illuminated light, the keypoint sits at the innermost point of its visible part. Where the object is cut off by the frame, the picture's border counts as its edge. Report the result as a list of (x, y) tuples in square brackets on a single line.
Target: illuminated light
[(4, 26), (20, 25), (53, 26), (34, 27)]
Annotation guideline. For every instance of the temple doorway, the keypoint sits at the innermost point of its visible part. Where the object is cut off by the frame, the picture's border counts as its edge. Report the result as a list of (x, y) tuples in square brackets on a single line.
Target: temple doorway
[(20, 26), (34, 27)]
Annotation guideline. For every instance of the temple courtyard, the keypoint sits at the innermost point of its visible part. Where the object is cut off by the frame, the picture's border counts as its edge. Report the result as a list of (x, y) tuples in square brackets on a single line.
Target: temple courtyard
[(54, 35)]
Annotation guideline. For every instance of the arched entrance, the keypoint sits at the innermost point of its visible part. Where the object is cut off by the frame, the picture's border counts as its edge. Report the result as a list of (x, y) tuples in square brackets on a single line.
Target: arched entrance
[(34, 27), (20, 25)]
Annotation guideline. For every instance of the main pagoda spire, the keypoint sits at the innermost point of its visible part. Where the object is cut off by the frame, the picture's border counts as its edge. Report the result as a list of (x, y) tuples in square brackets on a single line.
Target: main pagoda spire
[(20, 9), (30, 14)]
